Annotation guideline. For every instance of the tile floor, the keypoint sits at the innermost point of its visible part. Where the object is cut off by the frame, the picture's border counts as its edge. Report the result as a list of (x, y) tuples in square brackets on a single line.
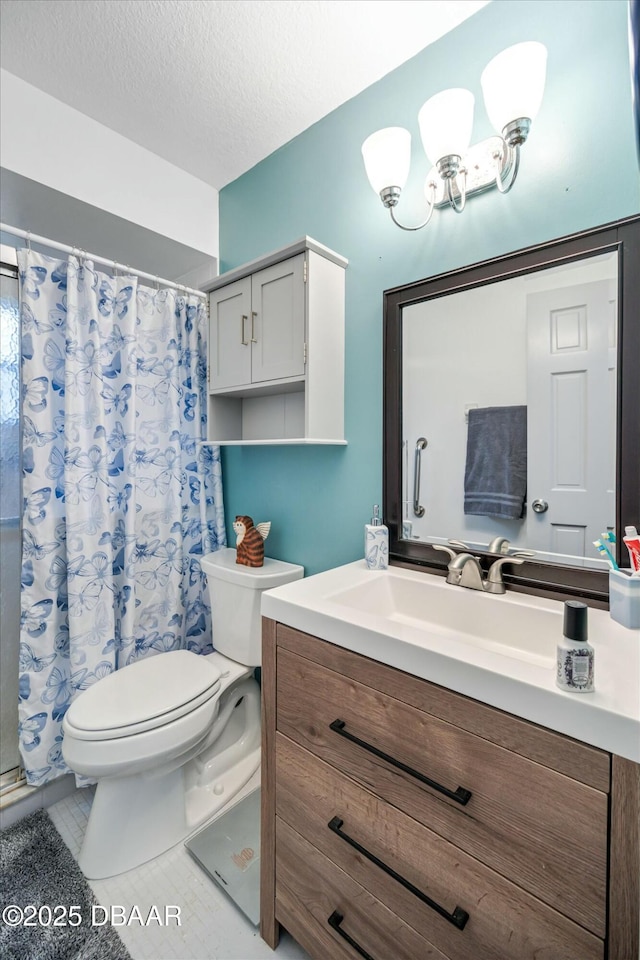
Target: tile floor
[(212, 927)]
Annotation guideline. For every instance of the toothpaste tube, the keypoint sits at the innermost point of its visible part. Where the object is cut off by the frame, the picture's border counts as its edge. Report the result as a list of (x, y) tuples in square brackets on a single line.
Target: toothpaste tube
[(632, 542)]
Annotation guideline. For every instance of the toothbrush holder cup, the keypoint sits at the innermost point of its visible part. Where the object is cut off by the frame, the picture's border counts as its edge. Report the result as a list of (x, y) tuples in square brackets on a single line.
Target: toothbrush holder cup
[(624, 598)]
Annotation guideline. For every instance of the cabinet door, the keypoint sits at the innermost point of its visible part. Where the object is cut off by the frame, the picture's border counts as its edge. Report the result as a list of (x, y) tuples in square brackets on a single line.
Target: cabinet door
[(229, 335), (277, 321)]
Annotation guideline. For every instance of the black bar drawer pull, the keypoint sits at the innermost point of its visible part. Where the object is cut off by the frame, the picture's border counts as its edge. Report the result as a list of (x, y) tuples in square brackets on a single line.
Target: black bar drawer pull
[(334, 921), (459, 916), (460, 795)]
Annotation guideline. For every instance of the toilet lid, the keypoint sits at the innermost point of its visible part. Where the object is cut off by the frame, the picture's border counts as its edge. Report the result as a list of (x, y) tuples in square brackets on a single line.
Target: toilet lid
[(144, 695)]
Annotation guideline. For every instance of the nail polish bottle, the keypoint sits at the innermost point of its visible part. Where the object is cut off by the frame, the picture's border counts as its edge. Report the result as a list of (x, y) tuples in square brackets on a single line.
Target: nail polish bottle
[(575, 655)]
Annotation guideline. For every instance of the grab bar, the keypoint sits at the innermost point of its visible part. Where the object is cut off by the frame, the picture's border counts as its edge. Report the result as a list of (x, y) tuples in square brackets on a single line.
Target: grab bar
[(417, 509)]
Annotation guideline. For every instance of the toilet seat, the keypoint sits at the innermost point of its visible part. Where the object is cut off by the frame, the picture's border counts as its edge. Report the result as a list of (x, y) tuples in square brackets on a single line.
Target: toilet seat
[(144, 696)]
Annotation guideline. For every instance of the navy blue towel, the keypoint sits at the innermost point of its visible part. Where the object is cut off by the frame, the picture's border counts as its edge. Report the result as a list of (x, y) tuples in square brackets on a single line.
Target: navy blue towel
[(495, 478)]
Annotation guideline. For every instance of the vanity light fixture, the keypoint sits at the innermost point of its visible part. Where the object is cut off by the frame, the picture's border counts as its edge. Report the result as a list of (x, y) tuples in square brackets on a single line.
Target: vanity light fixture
[(513, 85)]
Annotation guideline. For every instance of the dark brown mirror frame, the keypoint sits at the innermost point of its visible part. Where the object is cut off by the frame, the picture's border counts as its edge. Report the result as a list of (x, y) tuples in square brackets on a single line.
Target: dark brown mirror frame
[(559, 581)]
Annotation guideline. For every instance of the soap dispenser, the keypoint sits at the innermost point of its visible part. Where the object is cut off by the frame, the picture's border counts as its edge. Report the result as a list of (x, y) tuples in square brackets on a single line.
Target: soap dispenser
[(376, 542)]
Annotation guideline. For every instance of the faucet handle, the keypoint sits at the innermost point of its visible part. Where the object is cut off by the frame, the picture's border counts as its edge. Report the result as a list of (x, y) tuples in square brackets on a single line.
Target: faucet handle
[(494, 582), (441, 546), (459, 543)]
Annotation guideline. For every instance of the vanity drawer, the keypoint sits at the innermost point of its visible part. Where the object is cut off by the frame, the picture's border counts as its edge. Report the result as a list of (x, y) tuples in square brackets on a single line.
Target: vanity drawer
[(465, 909), (573, 758), (310, 890), (525, 821)]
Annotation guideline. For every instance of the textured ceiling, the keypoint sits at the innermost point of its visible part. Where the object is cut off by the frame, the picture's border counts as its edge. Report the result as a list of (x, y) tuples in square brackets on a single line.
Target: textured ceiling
[(214, 86)]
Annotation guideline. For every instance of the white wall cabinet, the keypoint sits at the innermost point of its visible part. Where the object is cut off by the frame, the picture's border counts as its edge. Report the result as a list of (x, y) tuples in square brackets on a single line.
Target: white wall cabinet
[(276, 349)]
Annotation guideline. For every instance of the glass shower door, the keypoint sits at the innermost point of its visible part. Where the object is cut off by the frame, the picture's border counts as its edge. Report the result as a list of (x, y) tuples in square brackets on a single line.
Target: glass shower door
[(10, 525)]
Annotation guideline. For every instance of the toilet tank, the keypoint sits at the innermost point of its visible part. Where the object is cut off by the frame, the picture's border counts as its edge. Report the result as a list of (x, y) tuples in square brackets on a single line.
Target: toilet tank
[(234, 593)]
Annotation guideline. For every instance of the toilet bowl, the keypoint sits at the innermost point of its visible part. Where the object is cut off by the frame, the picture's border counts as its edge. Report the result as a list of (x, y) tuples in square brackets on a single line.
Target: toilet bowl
[(171, 739)]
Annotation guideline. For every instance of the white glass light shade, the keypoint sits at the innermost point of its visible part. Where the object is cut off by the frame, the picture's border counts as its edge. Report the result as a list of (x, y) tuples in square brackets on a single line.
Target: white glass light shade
[(513, 83), (387, 156), (446, 121)]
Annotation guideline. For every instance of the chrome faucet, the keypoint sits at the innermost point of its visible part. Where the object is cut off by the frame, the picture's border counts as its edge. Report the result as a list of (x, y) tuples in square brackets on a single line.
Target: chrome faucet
[(464, 570), (499, 545)]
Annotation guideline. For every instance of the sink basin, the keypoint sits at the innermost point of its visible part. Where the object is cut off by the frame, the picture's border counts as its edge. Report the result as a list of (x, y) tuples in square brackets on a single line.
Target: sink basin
[(500, 650), (497, 623)]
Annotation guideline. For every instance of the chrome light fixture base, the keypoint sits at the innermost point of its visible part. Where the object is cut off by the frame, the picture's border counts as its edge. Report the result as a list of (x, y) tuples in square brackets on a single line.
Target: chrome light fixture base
[(480, 164), (390, 196), (516, 132), (449, 166), (487, 165)]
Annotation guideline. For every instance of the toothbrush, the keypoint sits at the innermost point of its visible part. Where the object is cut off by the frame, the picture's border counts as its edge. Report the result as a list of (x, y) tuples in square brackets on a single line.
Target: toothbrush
[(608, 539), (606, 553)]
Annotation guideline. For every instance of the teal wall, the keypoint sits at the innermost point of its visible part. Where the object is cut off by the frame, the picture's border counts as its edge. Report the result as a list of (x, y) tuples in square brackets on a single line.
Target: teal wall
[(579, 169)]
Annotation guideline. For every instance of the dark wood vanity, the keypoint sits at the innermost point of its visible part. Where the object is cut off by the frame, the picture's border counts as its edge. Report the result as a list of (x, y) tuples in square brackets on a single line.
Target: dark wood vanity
[(401, 819)]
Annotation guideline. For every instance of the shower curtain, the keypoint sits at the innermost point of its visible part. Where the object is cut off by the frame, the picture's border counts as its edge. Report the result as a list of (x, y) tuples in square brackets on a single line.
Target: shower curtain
[(119, 499)]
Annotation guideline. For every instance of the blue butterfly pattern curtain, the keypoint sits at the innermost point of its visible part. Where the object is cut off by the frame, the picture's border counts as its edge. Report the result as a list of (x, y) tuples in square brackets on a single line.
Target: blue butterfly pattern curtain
[(120, 501)]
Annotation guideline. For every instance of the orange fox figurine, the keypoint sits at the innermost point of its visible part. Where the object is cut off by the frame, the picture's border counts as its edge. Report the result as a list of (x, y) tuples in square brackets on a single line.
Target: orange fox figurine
[(250, 541)]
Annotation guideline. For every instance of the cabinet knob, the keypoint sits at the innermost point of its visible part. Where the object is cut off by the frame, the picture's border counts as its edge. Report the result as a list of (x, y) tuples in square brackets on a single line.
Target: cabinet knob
[(253, 328), (243, 337)]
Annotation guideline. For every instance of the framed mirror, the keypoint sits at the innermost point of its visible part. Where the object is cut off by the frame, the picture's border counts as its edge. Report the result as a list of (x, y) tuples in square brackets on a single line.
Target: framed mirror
[(512, 411)]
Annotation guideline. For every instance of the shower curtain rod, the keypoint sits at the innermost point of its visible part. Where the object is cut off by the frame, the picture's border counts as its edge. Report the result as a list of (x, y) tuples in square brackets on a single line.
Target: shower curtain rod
[(33, 237)]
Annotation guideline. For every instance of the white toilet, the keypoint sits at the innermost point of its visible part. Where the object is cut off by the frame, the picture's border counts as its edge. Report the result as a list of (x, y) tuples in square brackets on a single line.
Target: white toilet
[(173, 738)]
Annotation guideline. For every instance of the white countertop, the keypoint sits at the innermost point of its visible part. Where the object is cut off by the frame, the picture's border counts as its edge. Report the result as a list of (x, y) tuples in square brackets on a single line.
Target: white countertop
[(519, 682)]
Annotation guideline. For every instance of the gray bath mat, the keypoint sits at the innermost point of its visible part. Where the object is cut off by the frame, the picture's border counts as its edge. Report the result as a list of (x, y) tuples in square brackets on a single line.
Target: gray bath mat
[(40, 883)]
